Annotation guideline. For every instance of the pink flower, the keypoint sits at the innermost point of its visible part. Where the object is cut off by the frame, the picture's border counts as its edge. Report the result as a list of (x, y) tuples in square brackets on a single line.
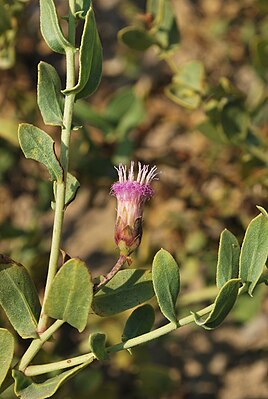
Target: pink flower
[(131, 194)]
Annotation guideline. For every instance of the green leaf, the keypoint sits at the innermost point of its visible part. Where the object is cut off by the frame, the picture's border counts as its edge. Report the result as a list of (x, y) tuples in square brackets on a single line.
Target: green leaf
[(82, 7), (50, 28), (223, 304), (125, 111), (26, 388), (85, 114), (72, 186), (89, 43), (187, 85), (7, 351), (128, 288), (139, 322), (228, 258), (97, 343), (18, 297), (191, 75), (212, 131), (184, 96), (49, 96), (136, 38), (165, 28), (166, 281), (70, 295), (235, 121), (95, 71), (254, 251), (38, 145)]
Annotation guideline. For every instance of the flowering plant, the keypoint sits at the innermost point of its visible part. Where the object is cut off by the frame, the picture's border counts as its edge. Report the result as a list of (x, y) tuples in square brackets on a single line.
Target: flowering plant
[(70, 293)]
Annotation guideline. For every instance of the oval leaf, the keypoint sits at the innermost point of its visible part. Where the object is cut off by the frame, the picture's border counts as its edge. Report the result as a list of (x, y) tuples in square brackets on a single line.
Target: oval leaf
[(166, 281), (70, 295), (38, 145), (50, 27), (128, 288), (7, 351), (139, 322), (26, 388), (18, 297), (228, 258), (97, 343), (135, 38), (49, 96), (86, 52), (254, 251), (224, 302)]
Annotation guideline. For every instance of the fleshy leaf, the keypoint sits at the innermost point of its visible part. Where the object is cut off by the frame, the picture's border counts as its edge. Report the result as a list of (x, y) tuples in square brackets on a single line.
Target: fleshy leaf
[(139, 322), (223, 304), (7, 351), (136, 38), (254, 251), (51, 29), (18, 297), (228, 258), (89, 38), (49, 96), (95, 71), (166, 281), (97, 343), (38, 145), (70, 296), (26, 388), (128, 288)]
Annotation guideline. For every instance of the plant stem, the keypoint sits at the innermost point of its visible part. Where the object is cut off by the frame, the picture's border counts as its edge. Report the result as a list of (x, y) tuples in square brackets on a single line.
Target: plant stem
[(131, 343), (36, 344), (64, 159), (63, 364)]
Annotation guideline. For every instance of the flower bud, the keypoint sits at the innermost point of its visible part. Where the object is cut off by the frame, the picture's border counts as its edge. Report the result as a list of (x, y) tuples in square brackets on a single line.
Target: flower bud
[(131, 194)]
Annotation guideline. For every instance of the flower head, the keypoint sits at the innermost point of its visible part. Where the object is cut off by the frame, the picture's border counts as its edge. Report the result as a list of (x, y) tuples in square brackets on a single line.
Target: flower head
[(131, 194)]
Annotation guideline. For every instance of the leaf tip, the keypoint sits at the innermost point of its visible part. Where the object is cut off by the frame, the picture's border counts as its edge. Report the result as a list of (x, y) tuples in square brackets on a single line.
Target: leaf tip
[(262, 210)]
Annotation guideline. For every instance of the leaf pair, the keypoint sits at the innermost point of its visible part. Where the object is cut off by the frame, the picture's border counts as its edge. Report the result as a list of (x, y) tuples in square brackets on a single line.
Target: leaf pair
[(249, 263)]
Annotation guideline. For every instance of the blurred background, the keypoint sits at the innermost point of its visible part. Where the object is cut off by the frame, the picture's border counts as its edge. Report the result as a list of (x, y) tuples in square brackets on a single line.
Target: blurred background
[(209, 141)]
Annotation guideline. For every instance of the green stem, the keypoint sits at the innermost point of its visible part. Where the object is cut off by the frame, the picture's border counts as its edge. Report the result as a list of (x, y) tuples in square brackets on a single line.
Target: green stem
[(64, 159), (36, 344), (63, 364), (131, 343)]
